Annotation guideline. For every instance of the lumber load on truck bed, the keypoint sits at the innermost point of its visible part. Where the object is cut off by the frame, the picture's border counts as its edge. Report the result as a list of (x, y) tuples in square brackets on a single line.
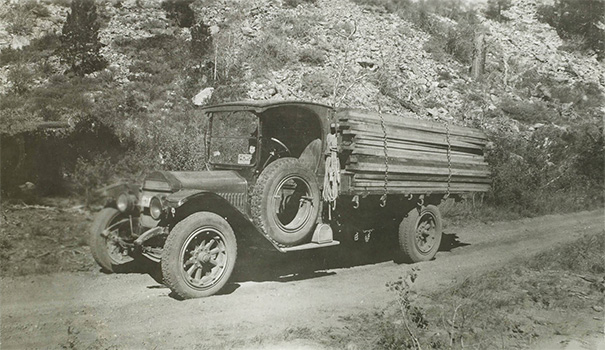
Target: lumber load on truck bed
[(421, 156)]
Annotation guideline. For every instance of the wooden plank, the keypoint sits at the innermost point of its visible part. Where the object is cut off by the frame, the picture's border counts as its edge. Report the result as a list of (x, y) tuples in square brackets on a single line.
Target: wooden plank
[(431, 184), (434, 142), (415, 162), (397, 129), (413, 136), (403, 120), (417, 190), (404, 166), (415, 170), (420, 155), (378, 145), (411, 177), (404, 145), (407, 121)]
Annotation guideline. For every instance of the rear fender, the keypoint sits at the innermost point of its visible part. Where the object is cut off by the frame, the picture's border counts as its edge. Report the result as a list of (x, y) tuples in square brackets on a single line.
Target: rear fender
[(183, 203)]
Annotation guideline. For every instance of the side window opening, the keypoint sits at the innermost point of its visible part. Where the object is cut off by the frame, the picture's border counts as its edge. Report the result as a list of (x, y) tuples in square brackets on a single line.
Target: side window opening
[(233, 138), (295, 127)]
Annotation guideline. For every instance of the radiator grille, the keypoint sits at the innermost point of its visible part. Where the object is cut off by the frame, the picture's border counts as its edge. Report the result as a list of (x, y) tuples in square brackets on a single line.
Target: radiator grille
[(238, 200)]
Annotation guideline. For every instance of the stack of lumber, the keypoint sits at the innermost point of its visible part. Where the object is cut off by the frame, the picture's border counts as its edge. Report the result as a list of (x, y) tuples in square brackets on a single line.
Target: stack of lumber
[(417, 154)]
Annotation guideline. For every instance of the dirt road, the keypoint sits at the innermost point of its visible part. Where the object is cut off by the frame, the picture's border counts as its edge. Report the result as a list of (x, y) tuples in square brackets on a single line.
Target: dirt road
[(270, 295)]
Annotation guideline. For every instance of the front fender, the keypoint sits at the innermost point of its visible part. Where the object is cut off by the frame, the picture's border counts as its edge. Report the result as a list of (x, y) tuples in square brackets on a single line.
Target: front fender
[(183, 203), (111, 192)]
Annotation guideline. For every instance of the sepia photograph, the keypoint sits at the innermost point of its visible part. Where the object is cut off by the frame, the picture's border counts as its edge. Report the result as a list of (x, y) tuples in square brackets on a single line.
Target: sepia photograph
[(302, 174)]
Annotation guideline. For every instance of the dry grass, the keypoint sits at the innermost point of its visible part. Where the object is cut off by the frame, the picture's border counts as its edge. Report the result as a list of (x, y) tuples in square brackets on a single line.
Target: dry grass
[(43, 239), (509, 308)]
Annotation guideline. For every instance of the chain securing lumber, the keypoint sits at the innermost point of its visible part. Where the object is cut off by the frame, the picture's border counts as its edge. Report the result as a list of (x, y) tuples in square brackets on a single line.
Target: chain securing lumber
[(383, 198), (449, 158)]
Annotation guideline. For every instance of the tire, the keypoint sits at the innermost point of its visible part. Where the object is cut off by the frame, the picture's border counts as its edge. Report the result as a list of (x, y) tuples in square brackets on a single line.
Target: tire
[(285, 201), (199, 255), (420, 234), (106, 252)]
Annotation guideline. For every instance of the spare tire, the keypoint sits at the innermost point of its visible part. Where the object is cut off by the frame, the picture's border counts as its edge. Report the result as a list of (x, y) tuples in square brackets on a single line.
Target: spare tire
[(285, 201)]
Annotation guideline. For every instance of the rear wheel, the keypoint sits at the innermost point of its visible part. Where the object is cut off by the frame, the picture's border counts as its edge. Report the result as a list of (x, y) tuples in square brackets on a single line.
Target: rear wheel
[(105, 240), (420, 234), (199, 255)]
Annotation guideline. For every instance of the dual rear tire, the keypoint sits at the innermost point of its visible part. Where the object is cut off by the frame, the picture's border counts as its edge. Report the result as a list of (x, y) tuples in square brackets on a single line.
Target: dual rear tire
[(420, 234)]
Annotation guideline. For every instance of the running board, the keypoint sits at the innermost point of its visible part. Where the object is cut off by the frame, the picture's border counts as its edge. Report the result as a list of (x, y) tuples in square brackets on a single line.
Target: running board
[(308, 246), (322, 237)]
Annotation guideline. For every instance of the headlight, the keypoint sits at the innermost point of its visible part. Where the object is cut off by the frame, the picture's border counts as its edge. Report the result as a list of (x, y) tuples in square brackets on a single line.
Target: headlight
[(126, 202), (156, 208)]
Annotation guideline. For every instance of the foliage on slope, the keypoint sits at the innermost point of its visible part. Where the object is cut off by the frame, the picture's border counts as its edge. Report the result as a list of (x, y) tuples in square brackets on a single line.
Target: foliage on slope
[(539, 102)]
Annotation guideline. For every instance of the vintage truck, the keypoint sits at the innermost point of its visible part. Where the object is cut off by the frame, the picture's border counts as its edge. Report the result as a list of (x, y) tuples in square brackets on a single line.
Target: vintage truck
[(266, 186)]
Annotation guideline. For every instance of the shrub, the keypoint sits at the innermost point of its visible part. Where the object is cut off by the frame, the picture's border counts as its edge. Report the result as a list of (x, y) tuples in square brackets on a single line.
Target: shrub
[(270, 53), (180, 12), (80, 38), (21, 79), (312, 55), (295, 3), (573, 18), (317, 83), (527, 111), (553, 170), (494, 10), (23, 15), (8, 56), (201, 41)]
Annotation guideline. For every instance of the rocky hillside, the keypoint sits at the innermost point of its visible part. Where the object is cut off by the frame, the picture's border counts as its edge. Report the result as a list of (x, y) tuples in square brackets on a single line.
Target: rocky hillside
[(332, 51), (401, 57)]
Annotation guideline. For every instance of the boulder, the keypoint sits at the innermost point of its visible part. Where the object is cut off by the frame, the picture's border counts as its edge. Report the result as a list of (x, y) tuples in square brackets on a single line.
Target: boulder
[(19, 42), (203, 96)]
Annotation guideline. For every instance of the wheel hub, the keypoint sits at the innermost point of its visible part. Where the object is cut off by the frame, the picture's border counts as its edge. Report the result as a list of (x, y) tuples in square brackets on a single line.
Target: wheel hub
[(203, 257), (424, 236)]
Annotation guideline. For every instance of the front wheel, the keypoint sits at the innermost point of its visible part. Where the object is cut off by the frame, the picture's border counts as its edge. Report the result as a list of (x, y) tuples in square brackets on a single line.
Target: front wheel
[(199, 255), (420, 234), (106, 239)]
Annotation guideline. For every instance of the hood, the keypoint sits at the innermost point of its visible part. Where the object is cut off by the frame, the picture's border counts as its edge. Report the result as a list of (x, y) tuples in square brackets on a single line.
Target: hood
[(218, 181)]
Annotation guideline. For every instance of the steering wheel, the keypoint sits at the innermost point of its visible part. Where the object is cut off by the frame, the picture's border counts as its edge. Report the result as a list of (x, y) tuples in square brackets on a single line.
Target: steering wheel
[(286, 149), (275, 153)]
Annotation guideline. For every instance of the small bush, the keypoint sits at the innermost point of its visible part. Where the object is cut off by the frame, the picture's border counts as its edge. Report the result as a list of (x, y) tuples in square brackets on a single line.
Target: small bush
[(295, 3), (312, 55), (23, 15), (201, 41), (9, 56), (270, 53), (494, 10), (180, 12), (37, 8), (317, 83), (21, 79), (526, 111)]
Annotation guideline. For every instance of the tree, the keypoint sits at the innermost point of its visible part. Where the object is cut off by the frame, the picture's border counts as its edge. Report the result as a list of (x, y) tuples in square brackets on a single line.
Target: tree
[(478, 63), (80, 43), (495, 8), (578, 19), (201, 40), (180, 12)]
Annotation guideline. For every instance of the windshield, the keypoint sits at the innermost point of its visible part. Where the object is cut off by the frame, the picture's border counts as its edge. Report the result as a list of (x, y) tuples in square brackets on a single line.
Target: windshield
[(233, 138)]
